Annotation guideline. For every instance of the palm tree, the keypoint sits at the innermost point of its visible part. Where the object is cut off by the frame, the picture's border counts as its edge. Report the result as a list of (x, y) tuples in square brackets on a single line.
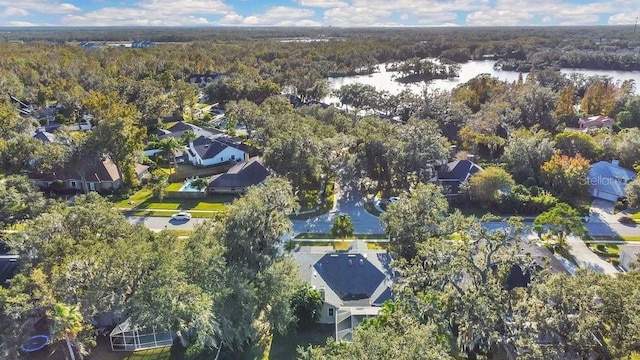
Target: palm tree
[(67, 324), (169, 146), (187, 137)]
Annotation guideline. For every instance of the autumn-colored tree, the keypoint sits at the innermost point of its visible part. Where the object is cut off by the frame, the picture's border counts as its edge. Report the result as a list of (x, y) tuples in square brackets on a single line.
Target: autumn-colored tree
[(565, 112), (599, 99), (566, 177)]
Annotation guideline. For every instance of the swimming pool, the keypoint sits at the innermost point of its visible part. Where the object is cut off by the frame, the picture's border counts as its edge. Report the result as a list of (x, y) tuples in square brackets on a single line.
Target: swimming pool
[(187, 187)]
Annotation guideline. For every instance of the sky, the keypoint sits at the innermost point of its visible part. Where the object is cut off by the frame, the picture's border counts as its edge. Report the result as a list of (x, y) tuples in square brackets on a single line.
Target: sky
[(337, 13)]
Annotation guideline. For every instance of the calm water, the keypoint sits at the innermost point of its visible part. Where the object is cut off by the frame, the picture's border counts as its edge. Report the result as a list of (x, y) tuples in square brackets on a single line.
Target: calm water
[(385, 80)]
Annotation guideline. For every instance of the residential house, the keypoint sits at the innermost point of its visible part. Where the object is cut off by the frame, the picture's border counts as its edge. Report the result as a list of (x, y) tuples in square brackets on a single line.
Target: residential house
[(178, 129), (628, 256), (353, 284), (101, 175), (207, 151), (608, 180), (44, 136), (450, 176), (541, 257), (23, 108), (143, 44), (595, 122), (239, 177), (205, 79)]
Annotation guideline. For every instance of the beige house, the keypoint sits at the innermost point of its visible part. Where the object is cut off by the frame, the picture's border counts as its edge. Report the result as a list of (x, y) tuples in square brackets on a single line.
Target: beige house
[(101, 176)]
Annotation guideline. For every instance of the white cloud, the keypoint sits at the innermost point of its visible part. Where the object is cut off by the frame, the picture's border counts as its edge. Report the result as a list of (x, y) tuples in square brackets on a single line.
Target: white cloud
[(438, 19), (20, 23), (185, 6), (357, 16), (277, 15), (153, 13), (14, 12), (322, 3), (624, 18), (495, 17), (43, 6)]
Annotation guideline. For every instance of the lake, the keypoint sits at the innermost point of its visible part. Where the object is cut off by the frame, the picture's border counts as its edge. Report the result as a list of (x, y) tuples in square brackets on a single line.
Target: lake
[(385, 80)]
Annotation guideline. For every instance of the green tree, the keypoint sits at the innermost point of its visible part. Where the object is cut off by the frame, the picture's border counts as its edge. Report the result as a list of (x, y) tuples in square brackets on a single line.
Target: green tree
[(121, 138), (572, 143), (525, 153), (632, 193), (20, 200), (485, 186), (200, 183), (255, 224), (342, 226), (169, 147), (559, 222), (159, 190), (306, 303), (459, 281), (67, 324), (414, 219)]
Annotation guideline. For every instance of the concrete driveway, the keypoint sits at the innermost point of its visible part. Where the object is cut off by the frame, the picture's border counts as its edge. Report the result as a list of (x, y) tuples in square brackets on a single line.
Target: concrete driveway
[(349, 201), (587, 259), (602, 211)]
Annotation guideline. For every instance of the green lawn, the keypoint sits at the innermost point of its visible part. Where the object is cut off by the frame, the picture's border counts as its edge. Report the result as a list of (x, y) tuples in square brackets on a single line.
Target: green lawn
[(605, 250), (628, 238), (285, 347), (176, 186), (143, 203)]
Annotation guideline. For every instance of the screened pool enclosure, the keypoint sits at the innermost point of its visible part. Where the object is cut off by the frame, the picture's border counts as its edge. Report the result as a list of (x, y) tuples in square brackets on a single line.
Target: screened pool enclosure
[(127, 337)]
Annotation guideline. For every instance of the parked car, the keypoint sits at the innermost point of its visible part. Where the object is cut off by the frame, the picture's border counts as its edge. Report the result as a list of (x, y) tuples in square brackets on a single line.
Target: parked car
[(181, 216), (394, 199)]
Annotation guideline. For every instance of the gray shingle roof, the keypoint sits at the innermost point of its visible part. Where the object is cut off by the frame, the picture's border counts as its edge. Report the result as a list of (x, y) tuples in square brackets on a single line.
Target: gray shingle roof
[(208, 148), (243, 174), (610, 178)]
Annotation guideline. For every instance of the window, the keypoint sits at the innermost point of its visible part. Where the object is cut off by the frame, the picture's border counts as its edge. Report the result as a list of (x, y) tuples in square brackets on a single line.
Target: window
[(330, 312), (233, 157), (73, 184), (92, 186)]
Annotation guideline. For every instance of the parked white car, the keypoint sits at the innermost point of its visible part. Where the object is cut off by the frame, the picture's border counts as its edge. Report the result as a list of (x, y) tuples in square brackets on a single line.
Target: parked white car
[(394, 199), (181, 216)]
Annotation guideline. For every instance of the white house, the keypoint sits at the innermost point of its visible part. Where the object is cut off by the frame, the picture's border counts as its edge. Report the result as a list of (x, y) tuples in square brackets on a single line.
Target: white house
[(608, 181), (628, 256), (353, 284), (205, 151)]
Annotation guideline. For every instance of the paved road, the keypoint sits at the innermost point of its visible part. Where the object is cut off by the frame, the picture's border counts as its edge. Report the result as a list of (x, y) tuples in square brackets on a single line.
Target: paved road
[(164, 223), (349, 201)]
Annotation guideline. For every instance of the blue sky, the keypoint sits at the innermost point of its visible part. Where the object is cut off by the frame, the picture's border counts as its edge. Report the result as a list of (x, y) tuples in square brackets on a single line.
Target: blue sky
[(340, 13)]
